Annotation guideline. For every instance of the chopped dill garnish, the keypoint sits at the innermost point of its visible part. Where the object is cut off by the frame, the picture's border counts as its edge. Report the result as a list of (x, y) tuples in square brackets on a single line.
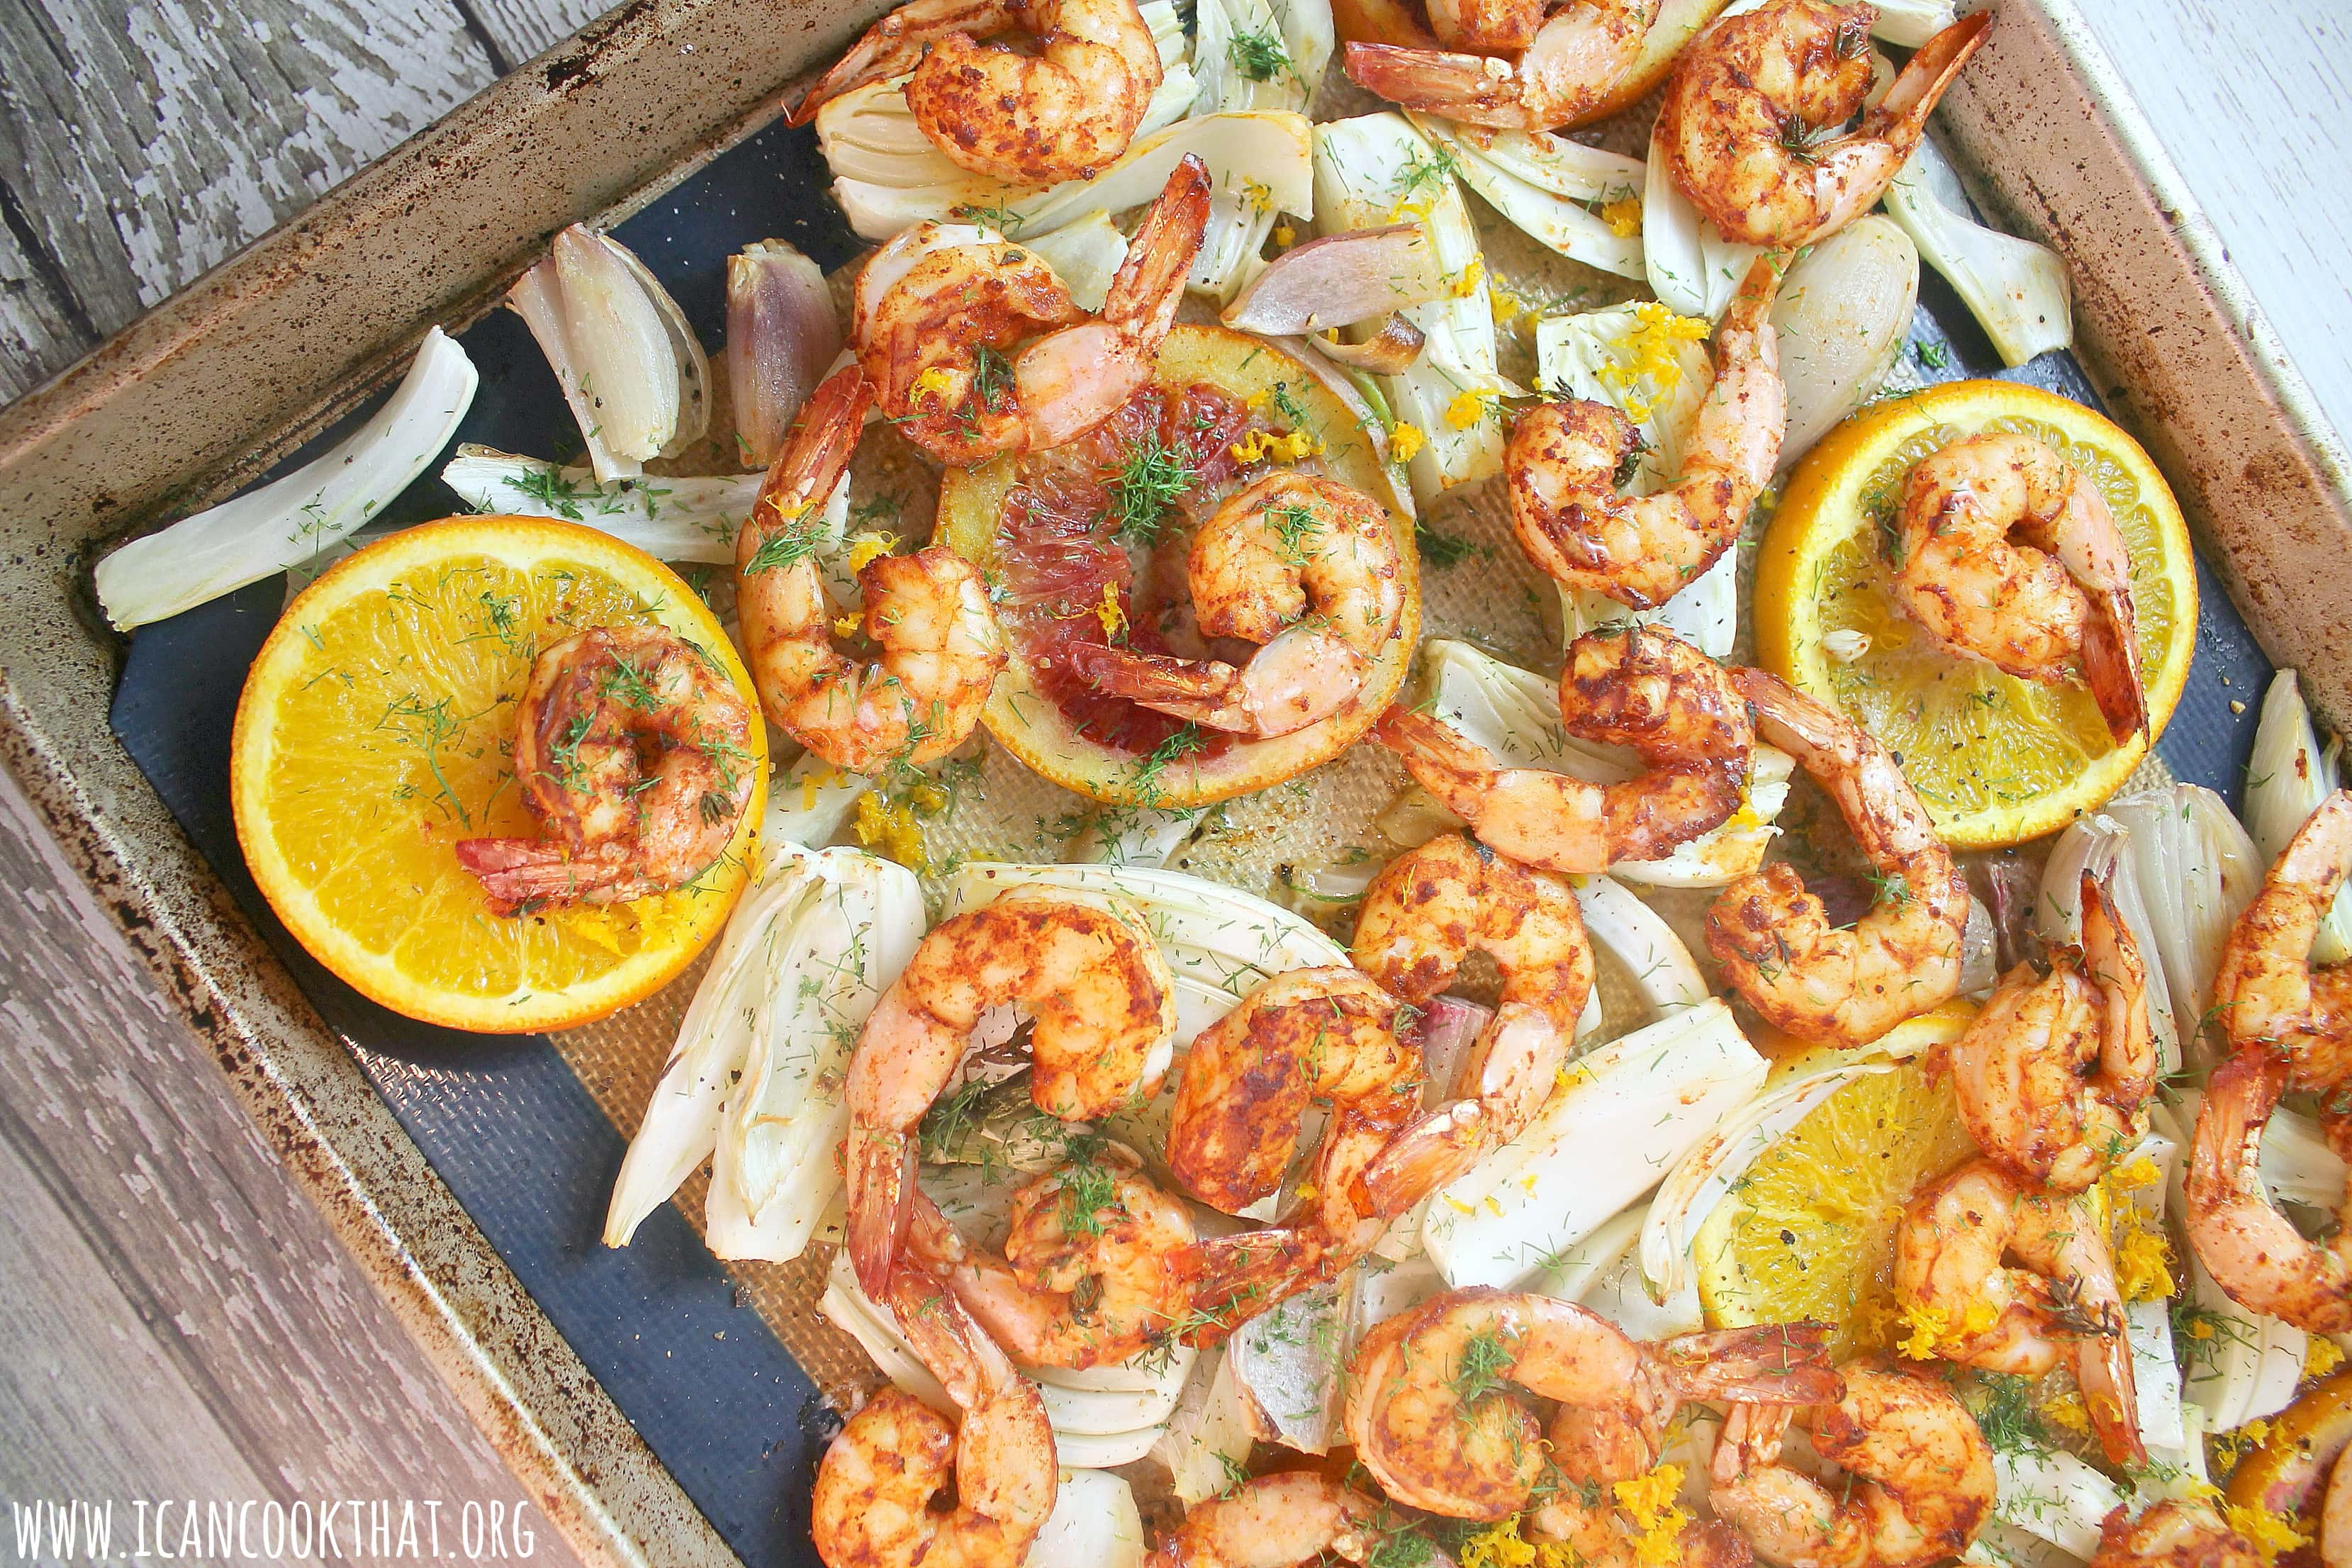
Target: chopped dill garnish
[(1184, 742), (1259, 55), (1296, 527), (1486, 1358), (786, 546), (1430, 173), (1151, 477), (1089, 1188), (551, 489), (1445, 551)]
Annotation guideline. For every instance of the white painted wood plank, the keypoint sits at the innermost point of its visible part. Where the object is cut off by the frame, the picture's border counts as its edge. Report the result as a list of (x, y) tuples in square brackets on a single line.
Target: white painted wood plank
[(2254, 103), (39, 327), (159, 1255), (146, 140), (521, 28)]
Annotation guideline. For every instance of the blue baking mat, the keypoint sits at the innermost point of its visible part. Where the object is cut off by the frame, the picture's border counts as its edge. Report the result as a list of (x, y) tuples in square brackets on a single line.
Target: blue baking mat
[(504, 1121)]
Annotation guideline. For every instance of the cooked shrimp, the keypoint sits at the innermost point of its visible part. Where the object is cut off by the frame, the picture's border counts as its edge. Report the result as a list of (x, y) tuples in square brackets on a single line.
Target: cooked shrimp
[(1235, 1278), (1285, 1520), (928, 613), (2058, 1303), (1310, 1034), (2265, 988), (1099, 1000), (2054, 1072), (1752, 125), (2252, 1250), (1092, 1270), (876, 1502), (1422, 916), (1773, 939), (1567, 69), (1564, 459), (1626, 684), (1060, 112), (1919, 1477), (2173, 1535), (2056, 603), (1302, 565), (942, 309), (631, 747), (1427, 1411)]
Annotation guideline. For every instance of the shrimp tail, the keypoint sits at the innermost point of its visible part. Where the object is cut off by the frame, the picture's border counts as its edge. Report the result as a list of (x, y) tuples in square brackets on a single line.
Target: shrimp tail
[(1901, 115), (1775, 1363), (1149, 284), (1478, 89), (1206, 692), (880, 1201), (517, 874), (2111, 666), (895, 45), (816, 454)]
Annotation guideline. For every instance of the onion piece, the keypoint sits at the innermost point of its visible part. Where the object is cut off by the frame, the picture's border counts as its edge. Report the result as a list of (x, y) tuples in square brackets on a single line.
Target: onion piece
[(1907, 24), (1841, 316), (1371, 172), (1287, 1360), (809, 802), (631, 371), (2286, 778), (1359, 391), (1979, 964), (1630, 1108), (2097, 845), (1339, 279), (2253, 1362), (1448, 1026), (1688, 264), (1094, 1522), (1086, 255), (1644, 944), (1133, 835), (781, 333), (1391, 350), (2053, 1496), (1209, 1436), (1557, 222), (2196, 871), (668, 518), (2016, 290), (1260, 54), (291, 519)]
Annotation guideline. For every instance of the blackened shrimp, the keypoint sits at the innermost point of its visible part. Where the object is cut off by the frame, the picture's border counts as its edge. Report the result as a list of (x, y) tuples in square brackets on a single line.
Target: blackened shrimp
[(948, 317), (937, 648), (1773, 938), (1097, 996), (1306, 1034), (1564, 459), (1302, 565), (632, 747), (1429, 1404), (1061, 111), (1753, 125), (1628, 685), (2055, 605), (1285, 1520), (1566, 67), (1425, 913)]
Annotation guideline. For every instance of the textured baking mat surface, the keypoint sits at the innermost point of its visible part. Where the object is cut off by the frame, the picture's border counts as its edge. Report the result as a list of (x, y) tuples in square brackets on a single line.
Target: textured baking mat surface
[(726, 1370)]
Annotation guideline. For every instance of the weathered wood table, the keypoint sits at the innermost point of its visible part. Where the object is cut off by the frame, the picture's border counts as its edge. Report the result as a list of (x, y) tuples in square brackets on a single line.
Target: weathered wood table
[(174, 1321)]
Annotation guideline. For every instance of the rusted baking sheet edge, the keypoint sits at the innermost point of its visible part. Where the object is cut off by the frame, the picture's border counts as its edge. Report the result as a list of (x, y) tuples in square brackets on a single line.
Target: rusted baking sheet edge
[(203, 394)]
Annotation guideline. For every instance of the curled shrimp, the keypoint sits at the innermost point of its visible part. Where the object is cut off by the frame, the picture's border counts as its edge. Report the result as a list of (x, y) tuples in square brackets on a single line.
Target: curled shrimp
[(1092, 1270), (948, 318), (1919, 1478), (1753, 123), (2058, 601), (1309, 1034), (877, 1502), (1027, 118), (2252, 1250), (2057, 1304), (1302, 565), (2265, 989), (1428, 1412), (1564, 459), (2054, 1073), (631, 747), (1774, 939), (2172, 1534), (1099, 1000), (928, 613), (1626, 684), (1425, 913), (1285, 1520), (1568, 68)]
